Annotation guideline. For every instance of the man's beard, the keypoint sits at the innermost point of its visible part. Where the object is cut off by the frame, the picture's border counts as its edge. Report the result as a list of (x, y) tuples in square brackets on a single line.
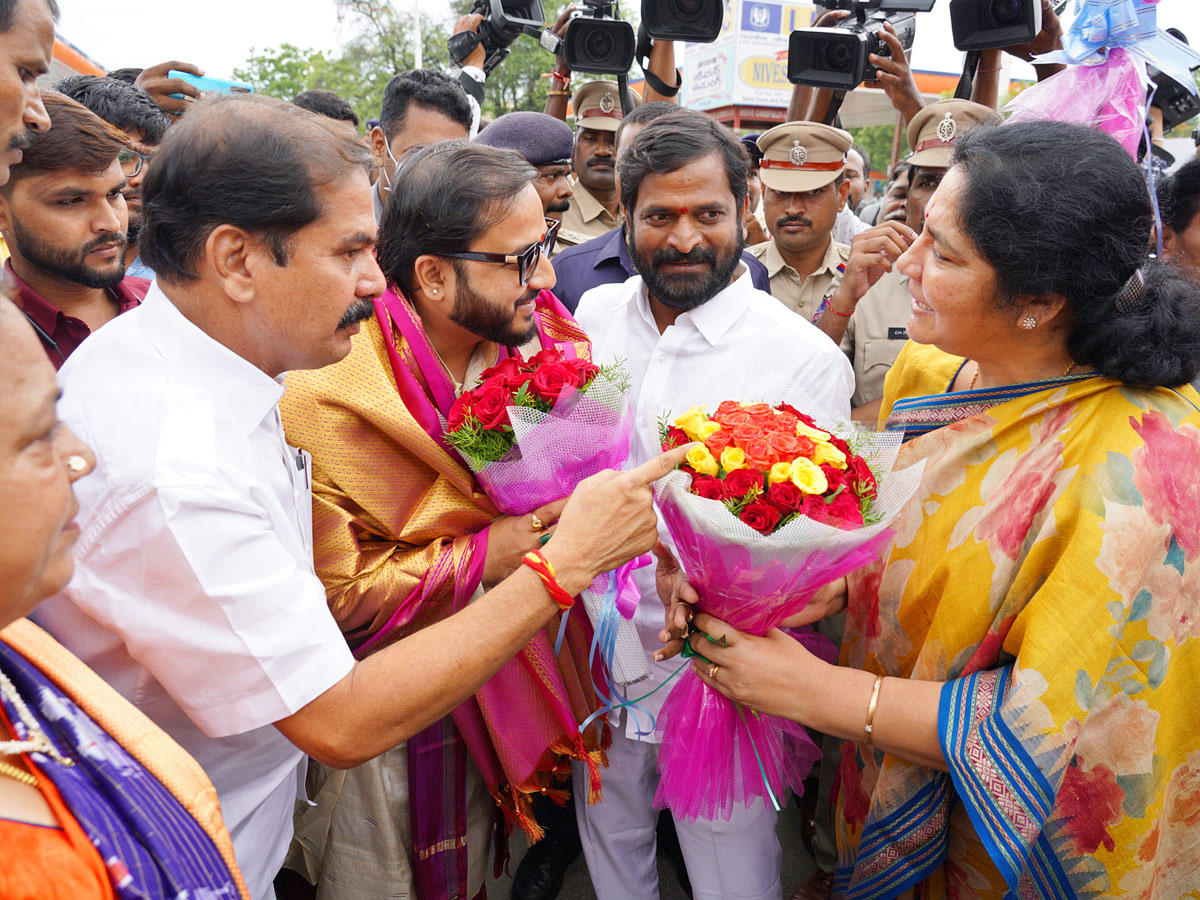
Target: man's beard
[(487, 320), (558, 207), (71, 266), (687, 291)]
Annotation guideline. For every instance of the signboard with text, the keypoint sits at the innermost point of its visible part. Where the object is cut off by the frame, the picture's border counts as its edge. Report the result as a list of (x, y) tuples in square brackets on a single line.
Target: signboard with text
[(747, 64)]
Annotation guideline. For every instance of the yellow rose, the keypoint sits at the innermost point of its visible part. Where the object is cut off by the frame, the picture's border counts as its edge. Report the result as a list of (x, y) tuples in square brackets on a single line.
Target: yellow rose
[(808, 476), (692, 423), (827, 453), (733, 458), (816, 434), (701, 460), (709, 429), (781, 471)]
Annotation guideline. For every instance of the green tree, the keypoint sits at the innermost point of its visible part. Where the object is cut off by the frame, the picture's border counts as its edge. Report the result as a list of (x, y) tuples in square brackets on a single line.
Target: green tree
[(877, 140)]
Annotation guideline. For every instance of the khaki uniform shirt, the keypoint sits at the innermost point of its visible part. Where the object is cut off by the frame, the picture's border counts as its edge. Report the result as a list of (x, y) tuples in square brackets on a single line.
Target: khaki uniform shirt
[(876, 334), (585, 218), (803, 295)]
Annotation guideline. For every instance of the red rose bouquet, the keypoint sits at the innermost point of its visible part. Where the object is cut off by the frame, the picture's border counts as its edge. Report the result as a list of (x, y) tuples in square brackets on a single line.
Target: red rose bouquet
[(770, 505), (531, 431)]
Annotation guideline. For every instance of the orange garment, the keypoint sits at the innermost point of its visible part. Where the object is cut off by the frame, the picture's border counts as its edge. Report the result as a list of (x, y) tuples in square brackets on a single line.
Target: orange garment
[(46, 863)]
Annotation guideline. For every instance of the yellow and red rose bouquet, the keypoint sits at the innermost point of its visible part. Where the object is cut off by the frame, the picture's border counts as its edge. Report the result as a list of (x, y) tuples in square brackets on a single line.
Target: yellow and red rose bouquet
[(770, 505)]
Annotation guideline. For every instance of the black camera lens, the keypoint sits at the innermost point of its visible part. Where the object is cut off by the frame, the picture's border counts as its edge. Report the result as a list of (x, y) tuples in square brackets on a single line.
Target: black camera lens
[(598, 44), (837, 56), (687, 10), (1006, 12)]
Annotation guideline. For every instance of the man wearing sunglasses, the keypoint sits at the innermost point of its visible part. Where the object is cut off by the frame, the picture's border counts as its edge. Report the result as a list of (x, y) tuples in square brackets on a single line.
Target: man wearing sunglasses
[(403, 537), (143, 121), (64, 217)]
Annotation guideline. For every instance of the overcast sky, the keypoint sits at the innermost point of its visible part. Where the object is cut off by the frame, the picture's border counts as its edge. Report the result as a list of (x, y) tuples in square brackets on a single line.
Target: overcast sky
[(219, 34)]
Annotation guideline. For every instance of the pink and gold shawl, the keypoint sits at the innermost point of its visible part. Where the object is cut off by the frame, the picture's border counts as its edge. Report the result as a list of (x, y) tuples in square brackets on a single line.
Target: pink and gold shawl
[(400, 538)]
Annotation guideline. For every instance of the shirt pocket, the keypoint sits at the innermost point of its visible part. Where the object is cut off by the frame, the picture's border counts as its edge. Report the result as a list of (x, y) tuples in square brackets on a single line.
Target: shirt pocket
[(878, 355)]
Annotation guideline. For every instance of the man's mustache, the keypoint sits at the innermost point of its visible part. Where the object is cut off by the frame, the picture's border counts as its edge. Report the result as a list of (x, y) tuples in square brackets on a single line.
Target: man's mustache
[(793, 220), (359, 311), (600, 161), (558, 207), (105, 240), (23, 139), (669, 257)]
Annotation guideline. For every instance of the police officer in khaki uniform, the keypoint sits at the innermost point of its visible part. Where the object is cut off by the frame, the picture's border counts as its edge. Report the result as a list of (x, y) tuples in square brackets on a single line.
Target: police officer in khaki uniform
[(804, 189), (868, 313), (594, 207)]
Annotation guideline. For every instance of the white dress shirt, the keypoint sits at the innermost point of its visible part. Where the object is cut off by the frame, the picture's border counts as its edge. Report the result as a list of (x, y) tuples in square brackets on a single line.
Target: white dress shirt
[(194, 593), (847, 226), (743, 344)]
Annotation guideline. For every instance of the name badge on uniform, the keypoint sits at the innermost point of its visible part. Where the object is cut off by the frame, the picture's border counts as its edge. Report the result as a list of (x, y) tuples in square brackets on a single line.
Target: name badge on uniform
[(898, 334)]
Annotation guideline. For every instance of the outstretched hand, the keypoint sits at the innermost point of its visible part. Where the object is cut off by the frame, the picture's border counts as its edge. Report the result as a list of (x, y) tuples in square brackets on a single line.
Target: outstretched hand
[(679, 598)]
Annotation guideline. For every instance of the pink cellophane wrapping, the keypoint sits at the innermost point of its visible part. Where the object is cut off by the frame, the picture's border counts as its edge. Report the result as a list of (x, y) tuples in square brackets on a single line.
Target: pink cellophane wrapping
[(586, 432), (753, 581), (1110, 97)]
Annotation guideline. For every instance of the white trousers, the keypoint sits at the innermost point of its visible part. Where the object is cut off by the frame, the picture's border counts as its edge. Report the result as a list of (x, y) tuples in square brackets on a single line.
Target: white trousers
[(735, 860)]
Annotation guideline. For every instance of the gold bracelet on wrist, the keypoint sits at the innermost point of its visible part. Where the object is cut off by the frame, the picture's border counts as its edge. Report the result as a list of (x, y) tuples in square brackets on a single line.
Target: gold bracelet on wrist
[(869, 726)]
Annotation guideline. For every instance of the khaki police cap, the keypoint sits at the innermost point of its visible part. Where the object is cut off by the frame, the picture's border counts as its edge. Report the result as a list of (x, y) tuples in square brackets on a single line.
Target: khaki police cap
[(597, 105), (802, 156), (935, 130)]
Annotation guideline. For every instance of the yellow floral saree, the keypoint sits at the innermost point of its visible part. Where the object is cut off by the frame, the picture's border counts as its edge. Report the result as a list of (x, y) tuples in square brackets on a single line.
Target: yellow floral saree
[(1048, 571)]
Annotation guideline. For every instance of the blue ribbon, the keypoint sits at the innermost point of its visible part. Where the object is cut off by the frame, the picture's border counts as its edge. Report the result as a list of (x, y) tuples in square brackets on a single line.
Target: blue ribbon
[(1103, 25), (604, 643)]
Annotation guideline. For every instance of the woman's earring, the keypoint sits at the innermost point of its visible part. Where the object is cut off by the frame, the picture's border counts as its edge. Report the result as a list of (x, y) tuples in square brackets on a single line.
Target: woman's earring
[(1029, 323)]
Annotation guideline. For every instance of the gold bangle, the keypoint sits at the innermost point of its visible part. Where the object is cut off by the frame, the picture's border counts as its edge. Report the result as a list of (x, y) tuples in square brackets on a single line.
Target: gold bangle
[(556, 93), (869, 727)]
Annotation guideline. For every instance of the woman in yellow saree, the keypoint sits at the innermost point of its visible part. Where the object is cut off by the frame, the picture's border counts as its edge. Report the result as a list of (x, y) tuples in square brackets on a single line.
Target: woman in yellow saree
[(1017, 688)]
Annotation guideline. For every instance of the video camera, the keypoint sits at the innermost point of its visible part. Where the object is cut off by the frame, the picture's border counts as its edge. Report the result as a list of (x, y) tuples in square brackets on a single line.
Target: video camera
[(697, 21), (1177, 103), (595, 41), (503, 22), (990, 24), (837, 57)]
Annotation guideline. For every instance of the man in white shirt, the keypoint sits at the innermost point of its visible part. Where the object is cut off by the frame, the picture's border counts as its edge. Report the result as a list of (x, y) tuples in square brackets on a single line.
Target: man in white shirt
[(692, 330), (194, 592)]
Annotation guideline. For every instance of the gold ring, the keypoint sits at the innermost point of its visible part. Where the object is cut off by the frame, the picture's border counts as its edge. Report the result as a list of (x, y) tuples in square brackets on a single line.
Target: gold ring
[(76, 463), (535, 522), (712, 672)]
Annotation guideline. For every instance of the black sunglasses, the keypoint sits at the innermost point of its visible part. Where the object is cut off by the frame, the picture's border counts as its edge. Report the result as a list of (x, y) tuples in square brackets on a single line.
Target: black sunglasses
[(525, 261)]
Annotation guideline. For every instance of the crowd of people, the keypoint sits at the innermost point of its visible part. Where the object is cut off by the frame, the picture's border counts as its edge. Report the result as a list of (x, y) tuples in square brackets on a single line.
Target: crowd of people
[(264, 634)]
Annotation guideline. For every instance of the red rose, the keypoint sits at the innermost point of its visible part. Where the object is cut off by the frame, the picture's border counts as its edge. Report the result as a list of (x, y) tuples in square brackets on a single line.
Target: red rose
[(740, 482), (542, 357), (461, 410), (761, 454), (743, 434), (507, 372), (735, 418), (841, 445), (718, 441), (675, 438), (787, 445), (788, 408), (815, 507), (845, 511), (862, 479), (584, 370), (491, 406), (760, 515), (758, 409), (707, 486), (551, 379), (727, 407), (785, 497), (837, 478)]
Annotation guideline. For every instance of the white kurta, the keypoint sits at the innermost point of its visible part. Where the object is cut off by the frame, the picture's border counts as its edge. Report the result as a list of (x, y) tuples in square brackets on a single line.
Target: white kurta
[(194, 593), (740, 345)]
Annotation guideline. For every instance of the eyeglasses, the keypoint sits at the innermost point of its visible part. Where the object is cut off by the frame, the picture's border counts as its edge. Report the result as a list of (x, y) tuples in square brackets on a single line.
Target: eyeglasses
[(525, 261), (131, 162)]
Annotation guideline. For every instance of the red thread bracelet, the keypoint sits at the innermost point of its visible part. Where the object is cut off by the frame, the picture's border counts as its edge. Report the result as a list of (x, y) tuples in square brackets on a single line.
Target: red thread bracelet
[(536, 561), (838, 312)]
